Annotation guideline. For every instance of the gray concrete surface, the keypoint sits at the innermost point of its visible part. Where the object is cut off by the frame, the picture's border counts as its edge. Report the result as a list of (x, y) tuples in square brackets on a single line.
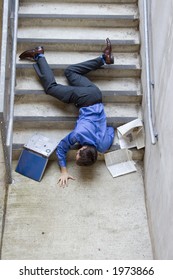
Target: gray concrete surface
[(95, 217), (2, 171), (2, 189)]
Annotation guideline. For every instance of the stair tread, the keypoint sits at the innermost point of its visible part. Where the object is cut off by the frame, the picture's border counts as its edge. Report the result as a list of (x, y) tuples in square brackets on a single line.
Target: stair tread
[(21, 136), (55, 58), (61, 8), (78, 33), (25, 2), (27, 79), (54, 108)]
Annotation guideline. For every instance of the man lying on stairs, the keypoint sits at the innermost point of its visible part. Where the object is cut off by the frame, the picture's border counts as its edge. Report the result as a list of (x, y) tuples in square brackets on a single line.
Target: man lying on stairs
[(91, 130)]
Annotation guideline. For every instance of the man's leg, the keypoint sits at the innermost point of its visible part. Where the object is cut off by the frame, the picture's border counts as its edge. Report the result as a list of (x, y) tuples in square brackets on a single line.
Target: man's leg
[(75, 72), (82, 92), (62, 92), (88, 93)]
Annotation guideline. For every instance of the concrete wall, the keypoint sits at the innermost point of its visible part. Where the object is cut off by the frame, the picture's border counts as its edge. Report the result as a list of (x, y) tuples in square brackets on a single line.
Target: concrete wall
[(158, 158), (2, 165)]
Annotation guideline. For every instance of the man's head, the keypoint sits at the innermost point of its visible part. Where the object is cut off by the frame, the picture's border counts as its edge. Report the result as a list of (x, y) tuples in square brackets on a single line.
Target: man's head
[(85, 156)]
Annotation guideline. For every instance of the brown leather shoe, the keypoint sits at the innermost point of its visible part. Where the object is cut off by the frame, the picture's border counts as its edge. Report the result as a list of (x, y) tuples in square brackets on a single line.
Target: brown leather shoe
[(30, 54), (107, 53)]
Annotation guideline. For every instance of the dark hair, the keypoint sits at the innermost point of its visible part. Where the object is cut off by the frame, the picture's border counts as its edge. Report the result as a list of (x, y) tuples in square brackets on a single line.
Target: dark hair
[(88, 156)]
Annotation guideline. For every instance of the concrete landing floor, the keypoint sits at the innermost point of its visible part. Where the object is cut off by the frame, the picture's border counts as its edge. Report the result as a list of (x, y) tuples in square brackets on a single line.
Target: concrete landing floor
[(96, 217)]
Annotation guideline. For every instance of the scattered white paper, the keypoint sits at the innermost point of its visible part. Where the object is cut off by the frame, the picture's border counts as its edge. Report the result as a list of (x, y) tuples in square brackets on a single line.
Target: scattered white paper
[(120, 162), (131, 135)]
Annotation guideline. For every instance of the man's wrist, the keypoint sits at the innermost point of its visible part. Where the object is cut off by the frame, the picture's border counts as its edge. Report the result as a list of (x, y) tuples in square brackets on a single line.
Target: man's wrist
[(63, 169)]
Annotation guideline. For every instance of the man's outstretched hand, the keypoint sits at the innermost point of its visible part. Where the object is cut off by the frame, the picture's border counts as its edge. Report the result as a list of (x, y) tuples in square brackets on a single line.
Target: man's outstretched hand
[(63, 180)]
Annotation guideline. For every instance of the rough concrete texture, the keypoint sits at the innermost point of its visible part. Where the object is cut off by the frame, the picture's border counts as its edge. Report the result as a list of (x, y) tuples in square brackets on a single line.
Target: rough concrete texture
[(86, 220), (78, 8), (2, 188), (2, 167)]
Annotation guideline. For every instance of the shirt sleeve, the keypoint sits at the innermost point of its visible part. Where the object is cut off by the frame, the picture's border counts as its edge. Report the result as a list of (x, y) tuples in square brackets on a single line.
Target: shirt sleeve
[(111, 133), (109, 138), (64, 146)]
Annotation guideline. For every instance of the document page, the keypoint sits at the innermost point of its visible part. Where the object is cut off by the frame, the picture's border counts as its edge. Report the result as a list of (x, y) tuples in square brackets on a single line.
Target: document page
[(120, 162)]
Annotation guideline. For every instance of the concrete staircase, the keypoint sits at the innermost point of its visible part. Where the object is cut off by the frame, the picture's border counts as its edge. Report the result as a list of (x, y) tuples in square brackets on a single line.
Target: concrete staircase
[(72, 32), (97, 217)]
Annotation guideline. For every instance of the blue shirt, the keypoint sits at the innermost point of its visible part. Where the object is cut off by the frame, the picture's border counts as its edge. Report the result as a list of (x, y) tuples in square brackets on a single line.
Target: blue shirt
[(90, 129)]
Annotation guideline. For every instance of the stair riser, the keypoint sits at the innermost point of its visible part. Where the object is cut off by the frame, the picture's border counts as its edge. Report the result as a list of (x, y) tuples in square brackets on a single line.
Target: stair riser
[(136, 155), (111, 97), (114, 72), (77, 45), (61, 122)]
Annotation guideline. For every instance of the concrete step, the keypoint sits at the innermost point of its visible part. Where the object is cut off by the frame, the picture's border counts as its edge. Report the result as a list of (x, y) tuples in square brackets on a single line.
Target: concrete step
[(120, 96), (105, 72), (61, 58), (76, 20), (125, 64), (54, 32), (113, 71), (74, 38), (50, 8), (48, 106), (113, 89), (83, 14), (63, 122), (136, 154), (79, 45), (27, 80), (23, 133), (26, 2)]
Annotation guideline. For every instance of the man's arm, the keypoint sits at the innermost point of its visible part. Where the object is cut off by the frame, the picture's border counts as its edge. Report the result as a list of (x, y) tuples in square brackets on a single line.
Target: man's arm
[(63, 147)]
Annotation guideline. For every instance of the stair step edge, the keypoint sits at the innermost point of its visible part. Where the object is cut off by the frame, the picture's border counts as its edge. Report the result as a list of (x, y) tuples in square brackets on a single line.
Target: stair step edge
[(136, 154), (111, 121)]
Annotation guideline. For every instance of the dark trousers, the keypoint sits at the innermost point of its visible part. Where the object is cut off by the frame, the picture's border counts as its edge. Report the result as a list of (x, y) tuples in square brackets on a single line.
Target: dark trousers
[(80, 91)]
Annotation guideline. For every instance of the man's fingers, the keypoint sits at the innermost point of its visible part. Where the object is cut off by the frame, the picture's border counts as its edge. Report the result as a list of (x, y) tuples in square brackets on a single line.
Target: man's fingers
[(63, 184), (70, 177), (64, 181)]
